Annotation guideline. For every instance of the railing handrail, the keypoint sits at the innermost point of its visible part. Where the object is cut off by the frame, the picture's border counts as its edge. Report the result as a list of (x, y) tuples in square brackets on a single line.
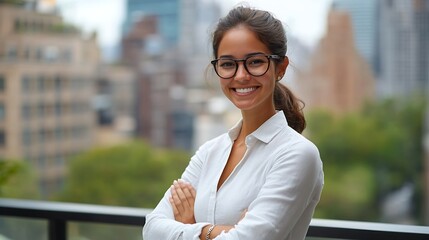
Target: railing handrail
[(73, 211), (59, 213)]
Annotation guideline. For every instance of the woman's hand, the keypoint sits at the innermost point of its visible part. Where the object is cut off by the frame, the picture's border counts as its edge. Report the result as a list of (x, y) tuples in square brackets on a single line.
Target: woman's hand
[(182, 200)]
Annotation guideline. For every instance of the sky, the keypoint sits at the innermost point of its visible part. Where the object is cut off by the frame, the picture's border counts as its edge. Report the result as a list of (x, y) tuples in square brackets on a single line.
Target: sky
[(304, 19)]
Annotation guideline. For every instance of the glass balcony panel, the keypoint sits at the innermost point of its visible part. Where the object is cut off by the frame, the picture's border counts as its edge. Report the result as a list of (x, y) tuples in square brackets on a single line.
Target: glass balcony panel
[(89, 231), (12, 228)]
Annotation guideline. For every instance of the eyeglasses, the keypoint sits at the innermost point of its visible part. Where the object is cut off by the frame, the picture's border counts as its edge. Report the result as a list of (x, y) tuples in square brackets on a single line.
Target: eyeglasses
[(256, 65)]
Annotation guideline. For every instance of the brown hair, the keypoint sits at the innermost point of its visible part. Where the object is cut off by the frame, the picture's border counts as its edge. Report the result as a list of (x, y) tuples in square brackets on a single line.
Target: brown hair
[(270, 31)]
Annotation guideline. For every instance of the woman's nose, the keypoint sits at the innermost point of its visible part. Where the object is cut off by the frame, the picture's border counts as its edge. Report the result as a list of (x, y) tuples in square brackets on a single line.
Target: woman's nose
[(241, 73)]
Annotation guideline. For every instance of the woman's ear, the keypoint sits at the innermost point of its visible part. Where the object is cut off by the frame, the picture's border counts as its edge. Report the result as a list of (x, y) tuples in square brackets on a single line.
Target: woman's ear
[(282, 66)]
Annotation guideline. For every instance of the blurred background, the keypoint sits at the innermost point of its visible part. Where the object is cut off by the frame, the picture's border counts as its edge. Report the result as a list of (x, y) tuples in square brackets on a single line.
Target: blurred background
[(104, 102)]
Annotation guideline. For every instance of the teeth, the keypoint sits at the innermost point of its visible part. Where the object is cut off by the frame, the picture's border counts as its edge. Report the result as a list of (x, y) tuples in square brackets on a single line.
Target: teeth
[(245, 90)]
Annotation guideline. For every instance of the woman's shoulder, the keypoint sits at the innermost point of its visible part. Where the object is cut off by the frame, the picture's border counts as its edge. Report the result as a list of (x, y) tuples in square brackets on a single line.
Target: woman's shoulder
[(292, 141)]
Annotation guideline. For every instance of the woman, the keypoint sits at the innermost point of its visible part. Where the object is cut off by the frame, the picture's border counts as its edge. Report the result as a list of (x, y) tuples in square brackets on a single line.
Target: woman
[(262, 179)]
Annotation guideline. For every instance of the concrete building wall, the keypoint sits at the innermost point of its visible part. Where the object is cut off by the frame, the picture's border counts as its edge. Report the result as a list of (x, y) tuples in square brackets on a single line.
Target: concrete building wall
[(48, 70)]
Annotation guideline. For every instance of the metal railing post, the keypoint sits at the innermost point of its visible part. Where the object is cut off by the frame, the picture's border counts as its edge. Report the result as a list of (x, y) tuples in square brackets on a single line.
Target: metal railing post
[(57, 229)]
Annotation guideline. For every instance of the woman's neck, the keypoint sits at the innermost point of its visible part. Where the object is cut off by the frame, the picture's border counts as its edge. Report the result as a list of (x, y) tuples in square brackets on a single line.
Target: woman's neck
[(253, 120)]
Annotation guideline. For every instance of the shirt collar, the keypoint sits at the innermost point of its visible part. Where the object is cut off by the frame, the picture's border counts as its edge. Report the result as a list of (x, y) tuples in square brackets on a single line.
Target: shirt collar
[(266, 131)]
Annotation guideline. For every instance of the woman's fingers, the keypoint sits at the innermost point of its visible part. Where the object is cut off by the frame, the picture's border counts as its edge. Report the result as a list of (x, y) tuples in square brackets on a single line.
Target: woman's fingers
[(182, 193), (189, 193), (176, 199), (175, 210), (182, 201)]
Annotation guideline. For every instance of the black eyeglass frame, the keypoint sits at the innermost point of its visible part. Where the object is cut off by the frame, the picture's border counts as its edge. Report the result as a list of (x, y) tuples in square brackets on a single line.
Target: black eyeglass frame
[(268, 56)]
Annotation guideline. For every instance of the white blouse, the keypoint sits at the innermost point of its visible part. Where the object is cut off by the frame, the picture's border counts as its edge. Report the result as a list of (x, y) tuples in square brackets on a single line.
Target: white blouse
[(279, 182)]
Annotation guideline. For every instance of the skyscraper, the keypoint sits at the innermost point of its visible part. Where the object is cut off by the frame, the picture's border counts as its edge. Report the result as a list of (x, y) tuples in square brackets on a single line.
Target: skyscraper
[(339, 79), (404, 47), (364, 20), (167, 12)]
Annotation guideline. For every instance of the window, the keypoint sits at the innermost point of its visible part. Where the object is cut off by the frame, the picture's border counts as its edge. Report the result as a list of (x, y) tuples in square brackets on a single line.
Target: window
[(26, 137), (26, 111), (25, 84), (2, 83), (2, 112), (2, 138), (57, 83), (41, 83), (11, 53)]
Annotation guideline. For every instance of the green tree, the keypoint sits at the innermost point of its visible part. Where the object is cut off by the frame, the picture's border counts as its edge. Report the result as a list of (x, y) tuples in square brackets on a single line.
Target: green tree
[(133, 174), (15, 2), (367, 155), (17, 180)]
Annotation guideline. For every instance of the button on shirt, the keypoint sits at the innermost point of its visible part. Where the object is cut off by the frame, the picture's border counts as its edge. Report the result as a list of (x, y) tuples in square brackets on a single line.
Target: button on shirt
[(278, 182)]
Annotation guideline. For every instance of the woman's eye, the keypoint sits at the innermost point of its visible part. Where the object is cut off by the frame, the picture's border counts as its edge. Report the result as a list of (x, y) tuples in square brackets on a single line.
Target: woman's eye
[(255, 61), (227, 64)]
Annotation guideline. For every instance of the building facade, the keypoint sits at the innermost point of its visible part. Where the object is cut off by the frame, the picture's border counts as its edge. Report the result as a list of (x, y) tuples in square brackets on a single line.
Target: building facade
[(338, 79), (364, 19), (47, 73), (171, 85), (167, 12), (404, 47)]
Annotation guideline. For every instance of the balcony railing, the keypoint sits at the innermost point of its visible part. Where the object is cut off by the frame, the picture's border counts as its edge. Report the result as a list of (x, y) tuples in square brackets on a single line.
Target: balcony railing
[(59, 215)]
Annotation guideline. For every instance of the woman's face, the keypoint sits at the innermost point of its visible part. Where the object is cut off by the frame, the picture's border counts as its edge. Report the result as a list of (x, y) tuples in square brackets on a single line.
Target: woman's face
[(247, 92)]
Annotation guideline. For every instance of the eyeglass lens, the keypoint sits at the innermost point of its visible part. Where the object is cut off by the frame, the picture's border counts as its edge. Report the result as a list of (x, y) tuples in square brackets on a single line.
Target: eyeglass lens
[(256, 65)]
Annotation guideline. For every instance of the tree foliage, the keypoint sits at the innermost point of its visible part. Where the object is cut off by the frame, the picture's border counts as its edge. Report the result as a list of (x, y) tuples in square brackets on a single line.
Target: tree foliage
[(14, 2), (367, 155), (133, 174), (17, 180)]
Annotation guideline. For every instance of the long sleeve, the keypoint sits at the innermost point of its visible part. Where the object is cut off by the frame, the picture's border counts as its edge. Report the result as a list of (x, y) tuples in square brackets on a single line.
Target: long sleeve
[(285, 204), (160, 224)]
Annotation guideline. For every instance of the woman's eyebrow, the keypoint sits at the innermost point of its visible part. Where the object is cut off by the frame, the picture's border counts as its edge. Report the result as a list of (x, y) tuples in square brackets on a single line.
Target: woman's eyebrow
[(247, 55)]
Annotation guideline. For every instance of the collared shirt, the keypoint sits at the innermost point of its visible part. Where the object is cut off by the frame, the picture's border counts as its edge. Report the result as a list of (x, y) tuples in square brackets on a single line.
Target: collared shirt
[(278, 181)]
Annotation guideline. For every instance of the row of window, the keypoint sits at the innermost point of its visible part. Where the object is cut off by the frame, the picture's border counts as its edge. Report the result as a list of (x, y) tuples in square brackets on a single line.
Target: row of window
[(43, 160), (49, 54), (32, 25), (45, 83), (33, 110), (42, 135)]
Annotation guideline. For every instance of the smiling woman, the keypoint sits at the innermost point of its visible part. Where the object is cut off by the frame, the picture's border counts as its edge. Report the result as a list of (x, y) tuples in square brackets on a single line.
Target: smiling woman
[(262, 179)]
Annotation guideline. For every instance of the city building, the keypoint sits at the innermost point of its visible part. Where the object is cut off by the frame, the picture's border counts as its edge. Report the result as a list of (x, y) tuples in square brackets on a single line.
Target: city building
[(338, 79), (167, 12), (162, 117), (115, 105), (364, 19), (171, 85), (404, 47), (47, 76)]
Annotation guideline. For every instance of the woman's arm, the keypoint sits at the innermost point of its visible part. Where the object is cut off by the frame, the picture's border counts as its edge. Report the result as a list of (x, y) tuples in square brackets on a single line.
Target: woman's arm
[(182, 202), (161, 224), (287, 199)]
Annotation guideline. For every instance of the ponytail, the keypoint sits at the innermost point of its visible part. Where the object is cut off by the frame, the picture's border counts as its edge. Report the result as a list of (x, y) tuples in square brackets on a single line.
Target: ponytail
[(291, 106)]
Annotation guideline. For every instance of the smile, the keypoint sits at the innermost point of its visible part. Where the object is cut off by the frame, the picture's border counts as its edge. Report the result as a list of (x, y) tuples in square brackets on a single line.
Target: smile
[(245, 90)]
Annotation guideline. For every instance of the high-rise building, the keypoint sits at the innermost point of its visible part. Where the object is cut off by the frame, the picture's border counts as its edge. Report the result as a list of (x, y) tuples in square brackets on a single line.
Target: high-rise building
[(338, 79), (167, 12), (47, 73), (171, 84), (364, 20), (404, 47)]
